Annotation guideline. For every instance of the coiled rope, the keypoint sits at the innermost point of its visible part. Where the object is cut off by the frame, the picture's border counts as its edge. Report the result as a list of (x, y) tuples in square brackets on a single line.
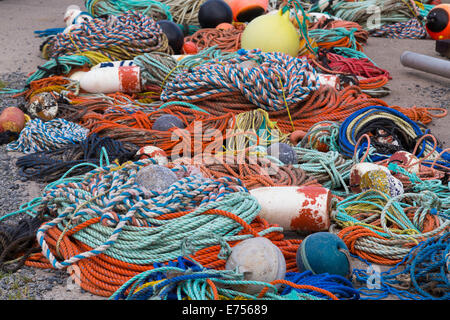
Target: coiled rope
[(38, 135), (51, 165), (277, 80), (120, 37), (421, 275)]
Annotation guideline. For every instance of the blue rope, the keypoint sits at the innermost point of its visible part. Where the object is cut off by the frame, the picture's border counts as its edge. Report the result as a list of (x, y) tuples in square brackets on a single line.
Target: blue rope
[(424, 276), (338, 285)]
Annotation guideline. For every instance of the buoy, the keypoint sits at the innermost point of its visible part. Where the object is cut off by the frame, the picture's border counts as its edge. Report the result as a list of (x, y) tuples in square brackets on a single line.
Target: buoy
[(153, 152), (174, 34), (114, 79), (122, 63), (167, 121), (323, 252), (247, 10), (316, 136), (438, 22), (12, 119), (155, 178), (213, 13), (296, 136), (284, 152), (329, 80), (358, 170), (272, 33), (407, 160), (74, 16), (43, 105), (304, 209), (259, 260), (189, 47), (381, 181)]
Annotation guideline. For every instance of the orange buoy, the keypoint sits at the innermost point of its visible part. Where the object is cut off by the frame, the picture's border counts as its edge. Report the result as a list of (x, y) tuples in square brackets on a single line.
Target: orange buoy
[(12, 119), (247, 10)]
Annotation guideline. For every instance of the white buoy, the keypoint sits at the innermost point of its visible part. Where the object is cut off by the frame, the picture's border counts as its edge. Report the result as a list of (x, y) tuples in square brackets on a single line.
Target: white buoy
[(74, 16), (114, 79), (259, 260), (122, 63), (305, 209), (153, 152)]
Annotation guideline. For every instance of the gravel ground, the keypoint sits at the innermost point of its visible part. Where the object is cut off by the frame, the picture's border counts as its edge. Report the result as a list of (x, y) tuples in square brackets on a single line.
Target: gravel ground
[(27, 283)]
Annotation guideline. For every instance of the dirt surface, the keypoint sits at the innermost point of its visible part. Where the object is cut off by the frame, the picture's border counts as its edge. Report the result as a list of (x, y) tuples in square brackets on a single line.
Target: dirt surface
[(19, 51)]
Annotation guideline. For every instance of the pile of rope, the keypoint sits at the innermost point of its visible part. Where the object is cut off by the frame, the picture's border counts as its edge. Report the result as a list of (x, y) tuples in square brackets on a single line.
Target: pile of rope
[(157, 10), (373, 14), (252, 172), (136, 128), (279, 79), (46, 136), (360, 71), (421, 275), (100, 217), (195, 282), (47, 166), (117, 37), (378, 132), (228, 40), (17, 242), (122, 239), (383, 230), (412, 29)]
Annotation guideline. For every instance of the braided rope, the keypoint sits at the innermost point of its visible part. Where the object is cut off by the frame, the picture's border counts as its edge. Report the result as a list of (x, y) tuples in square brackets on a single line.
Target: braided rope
[(277, 81), (411, 29), (45, 136), (117, 37), (111, 194)]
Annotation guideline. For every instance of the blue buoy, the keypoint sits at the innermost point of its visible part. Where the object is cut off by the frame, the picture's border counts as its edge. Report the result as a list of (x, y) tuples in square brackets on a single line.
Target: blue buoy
[(284, 152), (167, 121), (323, 252)]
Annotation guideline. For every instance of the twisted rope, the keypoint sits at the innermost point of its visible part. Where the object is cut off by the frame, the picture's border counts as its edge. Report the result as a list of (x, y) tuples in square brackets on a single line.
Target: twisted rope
[(45, 136)]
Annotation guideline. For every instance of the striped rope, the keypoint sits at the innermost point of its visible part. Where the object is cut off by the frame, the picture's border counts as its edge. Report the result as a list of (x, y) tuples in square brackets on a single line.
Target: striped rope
[(276, 81), (129, 228), (46, 136), (117, 37)]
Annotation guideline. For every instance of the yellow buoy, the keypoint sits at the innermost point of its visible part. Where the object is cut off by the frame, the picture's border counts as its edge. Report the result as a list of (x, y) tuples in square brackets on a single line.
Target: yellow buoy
[(272, 33)]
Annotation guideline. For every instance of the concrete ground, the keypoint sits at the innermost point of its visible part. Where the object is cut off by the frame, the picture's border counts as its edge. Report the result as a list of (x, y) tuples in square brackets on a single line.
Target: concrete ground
[(19, 51)]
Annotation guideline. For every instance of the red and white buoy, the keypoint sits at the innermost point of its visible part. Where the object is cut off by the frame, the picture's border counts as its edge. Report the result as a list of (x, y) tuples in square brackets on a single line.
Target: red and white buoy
[(114, 79), (153, 152), (305, 209)]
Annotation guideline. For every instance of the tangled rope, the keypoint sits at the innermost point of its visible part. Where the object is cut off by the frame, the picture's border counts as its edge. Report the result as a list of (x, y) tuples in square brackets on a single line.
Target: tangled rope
[(412, 29), (17, 243), (51, 165), (117, 37), (157, 10), (386, 130), (45, 136), (382, 229), (227, 40), (424, 276), (271, 82), (254, 173)]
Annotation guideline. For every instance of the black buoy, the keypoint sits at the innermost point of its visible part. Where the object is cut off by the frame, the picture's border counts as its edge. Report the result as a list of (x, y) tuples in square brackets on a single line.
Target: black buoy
[(174, 34), (214, 12)]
